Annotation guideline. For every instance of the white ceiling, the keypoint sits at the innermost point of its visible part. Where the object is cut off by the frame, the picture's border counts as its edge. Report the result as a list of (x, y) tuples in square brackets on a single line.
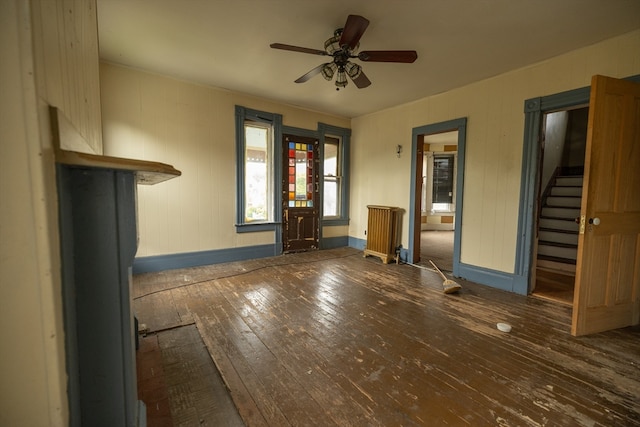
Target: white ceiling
[(225, 43)]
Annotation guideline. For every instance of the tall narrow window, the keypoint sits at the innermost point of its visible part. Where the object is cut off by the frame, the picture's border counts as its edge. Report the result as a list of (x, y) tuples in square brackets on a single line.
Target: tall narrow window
[(335, 174), (257, 169), (258, 172), (442, 195), (332, 178)]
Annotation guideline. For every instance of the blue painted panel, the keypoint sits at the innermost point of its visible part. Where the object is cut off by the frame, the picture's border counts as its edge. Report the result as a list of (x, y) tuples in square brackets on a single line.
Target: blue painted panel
[(334, 242), (98, 242)]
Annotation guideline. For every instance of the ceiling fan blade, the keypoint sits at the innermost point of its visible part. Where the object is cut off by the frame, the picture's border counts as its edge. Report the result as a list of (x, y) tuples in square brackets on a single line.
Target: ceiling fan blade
[(353, 30), (406, 56), (361, 81), (312, 73), (297, 49)]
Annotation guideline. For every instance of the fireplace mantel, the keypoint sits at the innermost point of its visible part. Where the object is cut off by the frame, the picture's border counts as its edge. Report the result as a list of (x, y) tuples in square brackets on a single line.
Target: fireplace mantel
[(65, 134)]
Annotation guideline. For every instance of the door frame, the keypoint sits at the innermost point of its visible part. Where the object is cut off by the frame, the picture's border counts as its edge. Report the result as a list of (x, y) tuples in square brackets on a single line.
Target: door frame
[(415, 187), (315, 210), (534, 110)]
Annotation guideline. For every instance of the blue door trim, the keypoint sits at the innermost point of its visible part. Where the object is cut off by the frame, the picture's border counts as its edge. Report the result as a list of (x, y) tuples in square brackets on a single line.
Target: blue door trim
[(459, 125), (534, 109)]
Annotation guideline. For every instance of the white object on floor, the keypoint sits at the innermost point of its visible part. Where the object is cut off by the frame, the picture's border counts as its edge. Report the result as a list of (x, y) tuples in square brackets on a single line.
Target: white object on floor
[(504, 327)]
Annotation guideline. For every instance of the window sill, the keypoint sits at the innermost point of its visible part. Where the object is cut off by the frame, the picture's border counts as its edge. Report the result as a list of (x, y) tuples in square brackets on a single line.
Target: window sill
[(335, 222), (251, 228)]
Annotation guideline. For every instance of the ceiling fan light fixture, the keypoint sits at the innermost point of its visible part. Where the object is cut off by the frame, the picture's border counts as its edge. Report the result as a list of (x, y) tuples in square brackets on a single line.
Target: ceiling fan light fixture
[(341, 80), (353, 70), (329, 70), (332, 45)]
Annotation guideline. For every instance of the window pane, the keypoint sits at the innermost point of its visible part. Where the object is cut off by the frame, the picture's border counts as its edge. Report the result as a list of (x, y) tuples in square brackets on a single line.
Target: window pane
[(330, 198), (256, 173), (331, 157), (331, 194), (442, 179), (301, 175)]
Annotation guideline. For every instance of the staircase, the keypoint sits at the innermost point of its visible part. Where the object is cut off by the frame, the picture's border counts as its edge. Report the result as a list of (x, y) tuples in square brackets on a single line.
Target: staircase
[(558, 229)]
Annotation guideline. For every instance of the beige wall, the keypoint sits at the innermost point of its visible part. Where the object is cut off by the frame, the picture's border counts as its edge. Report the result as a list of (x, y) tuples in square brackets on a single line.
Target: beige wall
[(49, 57), (155, 118), (192, 127), (495, 131)]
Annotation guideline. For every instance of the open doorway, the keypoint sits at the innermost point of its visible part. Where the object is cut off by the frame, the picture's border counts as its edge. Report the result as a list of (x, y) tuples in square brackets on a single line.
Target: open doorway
[(437, 170), (437, 207), (560, 177)]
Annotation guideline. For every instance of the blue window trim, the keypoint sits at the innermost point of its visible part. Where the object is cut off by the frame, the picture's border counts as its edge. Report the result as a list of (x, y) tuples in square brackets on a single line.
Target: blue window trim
[(275, 120), (345, 135), (244, 113)]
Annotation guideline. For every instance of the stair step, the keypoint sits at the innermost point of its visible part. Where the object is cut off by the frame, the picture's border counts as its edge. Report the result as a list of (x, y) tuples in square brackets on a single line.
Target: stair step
[(566, 191), (563, 201), (558, 252), (551, 263), (560, 212), (569, 181), (560, 279), (559, 224), (552, 236)]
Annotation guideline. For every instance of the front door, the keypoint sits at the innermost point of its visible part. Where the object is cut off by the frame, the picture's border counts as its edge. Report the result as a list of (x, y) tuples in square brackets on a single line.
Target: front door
[(300, 194), (607, 294)]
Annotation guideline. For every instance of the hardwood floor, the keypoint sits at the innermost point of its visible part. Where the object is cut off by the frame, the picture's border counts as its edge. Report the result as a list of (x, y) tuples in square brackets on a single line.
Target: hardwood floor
[(332, 338), (438, 247)]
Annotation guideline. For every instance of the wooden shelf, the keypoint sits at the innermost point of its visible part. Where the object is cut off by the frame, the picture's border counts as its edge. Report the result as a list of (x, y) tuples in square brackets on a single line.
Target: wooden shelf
[(147, 173)]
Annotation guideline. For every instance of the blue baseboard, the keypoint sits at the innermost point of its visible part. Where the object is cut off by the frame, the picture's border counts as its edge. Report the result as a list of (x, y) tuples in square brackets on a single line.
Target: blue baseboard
[(484, 276), (496, 279), (194, 259), (354, 242)]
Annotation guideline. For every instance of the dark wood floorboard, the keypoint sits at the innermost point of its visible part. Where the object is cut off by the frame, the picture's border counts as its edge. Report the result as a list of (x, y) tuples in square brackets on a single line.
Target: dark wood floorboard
[(179, 382), (333, 338), (152, 386)]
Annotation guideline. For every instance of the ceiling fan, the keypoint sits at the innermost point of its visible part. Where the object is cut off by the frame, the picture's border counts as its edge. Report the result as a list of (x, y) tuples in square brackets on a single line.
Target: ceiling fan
[(343, 47)]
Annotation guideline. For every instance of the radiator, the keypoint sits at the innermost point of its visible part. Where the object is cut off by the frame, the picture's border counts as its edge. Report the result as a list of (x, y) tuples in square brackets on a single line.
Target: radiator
[(382, 232)]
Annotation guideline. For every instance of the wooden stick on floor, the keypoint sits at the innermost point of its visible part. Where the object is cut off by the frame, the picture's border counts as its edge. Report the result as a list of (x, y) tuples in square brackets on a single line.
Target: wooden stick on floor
[(449, 286)]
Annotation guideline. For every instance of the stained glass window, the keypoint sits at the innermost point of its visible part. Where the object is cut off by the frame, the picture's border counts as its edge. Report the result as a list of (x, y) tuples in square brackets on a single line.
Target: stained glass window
[(300, 172)]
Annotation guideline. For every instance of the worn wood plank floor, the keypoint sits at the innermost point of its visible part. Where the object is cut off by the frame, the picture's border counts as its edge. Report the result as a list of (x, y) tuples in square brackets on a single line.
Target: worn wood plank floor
[(332, 338)]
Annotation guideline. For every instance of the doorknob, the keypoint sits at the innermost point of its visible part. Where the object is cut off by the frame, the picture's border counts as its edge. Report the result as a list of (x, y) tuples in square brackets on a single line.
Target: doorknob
[(594, 221)]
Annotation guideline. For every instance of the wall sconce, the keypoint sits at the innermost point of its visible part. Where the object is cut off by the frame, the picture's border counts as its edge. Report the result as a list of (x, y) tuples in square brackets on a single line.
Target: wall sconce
[(398, 150)]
